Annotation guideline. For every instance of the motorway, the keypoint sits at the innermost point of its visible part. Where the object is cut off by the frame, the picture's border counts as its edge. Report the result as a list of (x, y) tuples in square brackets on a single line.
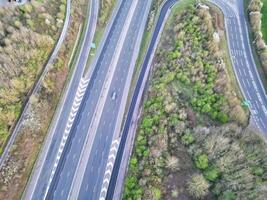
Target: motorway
[(243, 61), (95, 116), (39, 179), (108, 126)]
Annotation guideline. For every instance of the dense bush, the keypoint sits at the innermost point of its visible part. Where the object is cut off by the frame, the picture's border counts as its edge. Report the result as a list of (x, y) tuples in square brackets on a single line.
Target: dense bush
[(202, 161), (198, 186), (27, 35), (191, 112), (258, 21)]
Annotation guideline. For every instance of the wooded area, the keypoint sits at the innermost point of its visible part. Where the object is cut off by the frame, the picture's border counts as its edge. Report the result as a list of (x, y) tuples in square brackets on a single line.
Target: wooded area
[(193, 141), (27, 36), (257, 10), (16, 170)]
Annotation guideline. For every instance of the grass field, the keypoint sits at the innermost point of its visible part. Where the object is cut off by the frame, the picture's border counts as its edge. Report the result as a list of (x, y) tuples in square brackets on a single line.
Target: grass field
[(264, 20)]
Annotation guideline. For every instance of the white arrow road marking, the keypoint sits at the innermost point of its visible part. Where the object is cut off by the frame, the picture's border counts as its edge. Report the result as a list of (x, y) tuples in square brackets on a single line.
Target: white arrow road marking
[(75, 106), (113, 149), (112, 157), (110, 164), (108, 173), (109, 168)]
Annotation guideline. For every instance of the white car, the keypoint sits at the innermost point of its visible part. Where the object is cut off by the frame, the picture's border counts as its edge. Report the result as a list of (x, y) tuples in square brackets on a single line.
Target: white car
[(113, 95)]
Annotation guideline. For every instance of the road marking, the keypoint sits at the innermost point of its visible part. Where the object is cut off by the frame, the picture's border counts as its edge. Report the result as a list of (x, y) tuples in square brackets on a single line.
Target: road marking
[(239, 70), (75, 106), (264, 109), (62, 192), (109, 167), (245, 72), (243, 81), (248, 95), (106, 138), (262, 123), (248, 83), (73, 157), (257, 104)]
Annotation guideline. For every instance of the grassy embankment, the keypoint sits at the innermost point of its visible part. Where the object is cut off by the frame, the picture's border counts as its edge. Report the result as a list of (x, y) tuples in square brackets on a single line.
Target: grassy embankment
[(153, 14), (193, 141), (106, 8), (264, 20), (257, 17)]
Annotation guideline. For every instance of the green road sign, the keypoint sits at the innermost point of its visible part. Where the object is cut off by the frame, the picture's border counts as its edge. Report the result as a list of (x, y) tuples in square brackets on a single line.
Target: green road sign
[(93, 45), (246, 103)]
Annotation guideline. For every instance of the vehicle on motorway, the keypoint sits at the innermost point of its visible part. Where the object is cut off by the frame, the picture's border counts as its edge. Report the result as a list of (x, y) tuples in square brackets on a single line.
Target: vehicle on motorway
[(113, 95)]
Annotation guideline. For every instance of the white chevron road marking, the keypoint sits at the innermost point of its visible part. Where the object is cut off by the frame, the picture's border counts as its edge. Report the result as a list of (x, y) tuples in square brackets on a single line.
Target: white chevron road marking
[(109, 168), (74, 109)]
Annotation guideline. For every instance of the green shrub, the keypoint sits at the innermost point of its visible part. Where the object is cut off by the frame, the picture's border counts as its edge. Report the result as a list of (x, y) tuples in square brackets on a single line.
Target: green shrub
[(198, 186), (132, 189), (222, 117), (188, 138), (258, 171), (227, 195), (27, 8), (147, 125), (133, 164), (17, 24), (202, 161), (62, 8), (156, 193), (212, 174), (30, 23)]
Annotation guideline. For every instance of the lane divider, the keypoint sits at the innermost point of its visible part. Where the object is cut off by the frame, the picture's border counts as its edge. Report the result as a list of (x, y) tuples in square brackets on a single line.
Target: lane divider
[(109, 168)]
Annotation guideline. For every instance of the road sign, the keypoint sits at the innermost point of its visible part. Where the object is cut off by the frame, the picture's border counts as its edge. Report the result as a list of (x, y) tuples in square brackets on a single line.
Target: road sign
[(246, 103), (93, 45)]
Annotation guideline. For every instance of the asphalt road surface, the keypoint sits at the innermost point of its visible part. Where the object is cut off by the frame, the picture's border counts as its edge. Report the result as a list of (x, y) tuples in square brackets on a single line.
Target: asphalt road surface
[(12, 3), (153, 44), (97, 113), (95, 169), (39, 180), (98, 94), (243, 61), (65, 172)]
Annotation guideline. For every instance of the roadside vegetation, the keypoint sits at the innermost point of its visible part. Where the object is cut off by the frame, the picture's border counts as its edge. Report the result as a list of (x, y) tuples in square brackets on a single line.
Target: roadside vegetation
[(106, 8), (16, 171), (257, 11), (193, 141), (264, 20), (27, 36)]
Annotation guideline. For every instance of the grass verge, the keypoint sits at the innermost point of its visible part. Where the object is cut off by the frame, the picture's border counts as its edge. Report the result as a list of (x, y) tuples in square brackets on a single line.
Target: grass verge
[(106, 8), (264, 20)]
